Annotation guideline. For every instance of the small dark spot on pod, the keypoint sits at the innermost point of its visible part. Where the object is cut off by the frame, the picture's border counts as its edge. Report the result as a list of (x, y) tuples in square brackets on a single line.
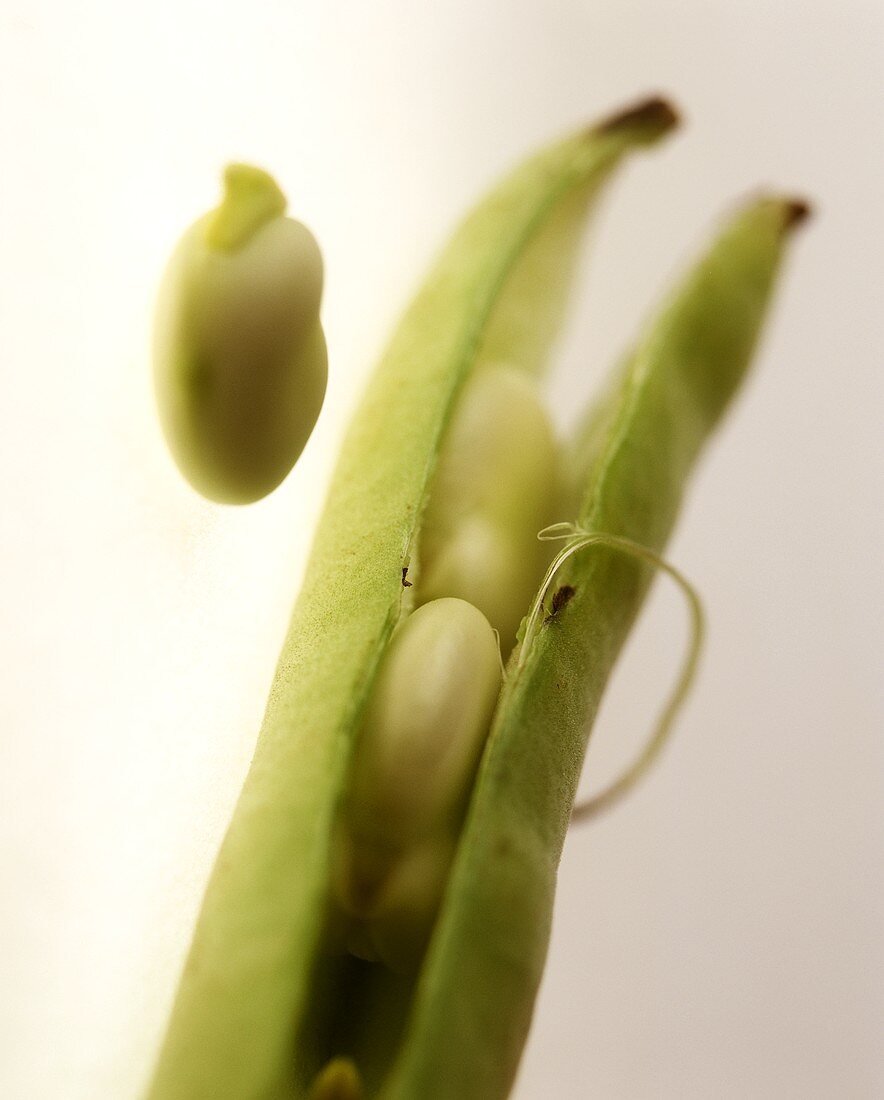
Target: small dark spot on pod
[(561, 598)]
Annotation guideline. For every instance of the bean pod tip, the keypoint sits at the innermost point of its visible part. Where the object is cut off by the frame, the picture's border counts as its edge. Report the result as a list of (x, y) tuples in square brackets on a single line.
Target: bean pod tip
[(655, 115)]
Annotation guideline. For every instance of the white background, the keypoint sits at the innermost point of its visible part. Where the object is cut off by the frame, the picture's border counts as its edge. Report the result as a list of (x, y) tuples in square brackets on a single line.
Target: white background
[(719, 936)]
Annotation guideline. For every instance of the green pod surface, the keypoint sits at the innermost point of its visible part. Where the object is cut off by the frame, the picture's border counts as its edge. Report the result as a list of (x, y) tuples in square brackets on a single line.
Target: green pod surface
[(264, 1002), (240, 361)]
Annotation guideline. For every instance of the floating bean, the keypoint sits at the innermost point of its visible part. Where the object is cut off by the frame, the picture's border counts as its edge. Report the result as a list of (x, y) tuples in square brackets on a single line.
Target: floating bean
[(239, 353)]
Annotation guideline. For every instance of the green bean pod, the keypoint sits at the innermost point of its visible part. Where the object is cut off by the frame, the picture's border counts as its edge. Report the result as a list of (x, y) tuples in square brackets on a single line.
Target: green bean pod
[(632, 460), (240, 361), (269, 1004)]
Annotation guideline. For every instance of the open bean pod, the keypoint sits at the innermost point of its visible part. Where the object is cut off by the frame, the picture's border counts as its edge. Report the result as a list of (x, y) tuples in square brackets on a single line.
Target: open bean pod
[(270, 1004)]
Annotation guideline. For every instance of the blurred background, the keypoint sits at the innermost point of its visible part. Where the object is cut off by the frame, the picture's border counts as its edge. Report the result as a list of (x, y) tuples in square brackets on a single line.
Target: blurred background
[(720, 934)]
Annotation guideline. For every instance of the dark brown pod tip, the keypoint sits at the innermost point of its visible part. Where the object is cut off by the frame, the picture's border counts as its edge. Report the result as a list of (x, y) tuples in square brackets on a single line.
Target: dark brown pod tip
[(796, 212), (655, 114)]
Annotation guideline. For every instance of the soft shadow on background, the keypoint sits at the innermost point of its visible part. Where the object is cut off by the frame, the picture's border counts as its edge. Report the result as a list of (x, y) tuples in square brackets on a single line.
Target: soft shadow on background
[(719, 936)]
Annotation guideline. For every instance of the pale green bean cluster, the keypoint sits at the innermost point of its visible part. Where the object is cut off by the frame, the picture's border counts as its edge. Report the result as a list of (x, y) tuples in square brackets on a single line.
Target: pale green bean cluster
[(377, 921), (414, 763), (415, 758)]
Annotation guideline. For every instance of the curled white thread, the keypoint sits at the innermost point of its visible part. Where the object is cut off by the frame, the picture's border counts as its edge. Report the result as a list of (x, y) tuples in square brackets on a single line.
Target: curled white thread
[(580, 539)]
